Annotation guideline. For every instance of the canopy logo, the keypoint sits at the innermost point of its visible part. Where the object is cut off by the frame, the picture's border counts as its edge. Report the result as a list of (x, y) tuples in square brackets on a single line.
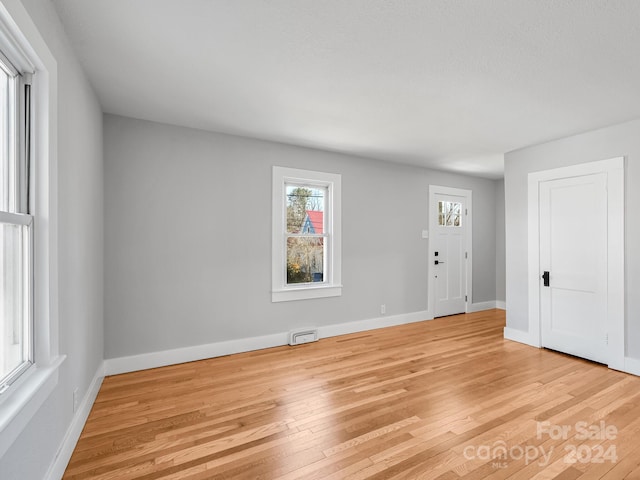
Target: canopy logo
[(498, 453), (581, 442)]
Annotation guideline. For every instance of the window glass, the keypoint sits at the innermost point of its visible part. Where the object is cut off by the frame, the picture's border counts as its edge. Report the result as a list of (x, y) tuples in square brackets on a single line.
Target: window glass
[(5, 144), (15, 230), (14, 344), (305, 259), (305, 233), (449, 214), (305, 206)]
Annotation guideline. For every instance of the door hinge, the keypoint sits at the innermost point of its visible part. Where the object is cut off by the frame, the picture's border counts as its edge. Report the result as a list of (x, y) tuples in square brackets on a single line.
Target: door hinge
[(465, 255), (606, 339), (466, 212), (465, 298)]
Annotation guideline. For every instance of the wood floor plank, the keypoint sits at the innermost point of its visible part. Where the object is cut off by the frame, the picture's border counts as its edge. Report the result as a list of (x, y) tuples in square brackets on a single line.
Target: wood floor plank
[(427, 400)]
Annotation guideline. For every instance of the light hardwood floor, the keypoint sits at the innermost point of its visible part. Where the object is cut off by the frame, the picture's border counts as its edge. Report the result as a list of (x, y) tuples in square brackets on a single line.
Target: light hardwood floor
[(435, 399)]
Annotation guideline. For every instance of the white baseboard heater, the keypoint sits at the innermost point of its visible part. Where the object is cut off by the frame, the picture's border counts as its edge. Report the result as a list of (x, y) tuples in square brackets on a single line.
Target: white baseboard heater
[(303, 335)]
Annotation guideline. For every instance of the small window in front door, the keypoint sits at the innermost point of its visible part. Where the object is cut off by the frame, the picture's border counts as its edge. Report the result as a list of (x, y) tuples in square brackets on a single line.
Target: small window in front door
[(449, 214)]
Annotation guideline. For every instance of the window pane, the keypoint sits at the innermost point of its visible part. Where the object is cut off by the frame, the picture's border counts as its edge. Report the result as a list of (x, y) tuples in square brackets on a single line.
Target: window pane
[(305, 209), (449, 214), (453, 214), (5, 154), (305, 259), (14, 324)]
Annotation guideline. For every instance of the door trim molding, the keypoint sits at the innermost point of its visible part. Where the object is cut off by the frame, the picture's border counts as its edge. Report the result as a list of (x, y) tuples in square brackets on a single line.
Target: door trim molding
[(467, 194), (614, 168)]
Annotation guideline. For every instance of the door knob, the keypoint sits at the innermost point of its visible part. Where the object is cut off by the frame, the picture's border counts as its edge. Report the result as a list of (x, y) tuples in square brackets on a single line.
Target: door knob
[(437, 262)]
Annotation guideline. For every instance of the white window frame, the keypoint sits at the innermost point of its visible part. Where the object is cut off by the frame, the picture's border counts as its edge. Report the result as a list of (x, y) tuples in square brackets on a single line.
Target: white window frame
[(332, 282), (17, 210), (22, 43)]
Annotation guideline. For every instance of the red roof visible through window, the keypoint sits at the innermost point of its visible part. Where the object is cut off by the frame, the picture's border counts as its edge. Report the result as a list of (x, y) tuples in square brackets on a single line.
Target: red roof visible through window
[(317, 220)]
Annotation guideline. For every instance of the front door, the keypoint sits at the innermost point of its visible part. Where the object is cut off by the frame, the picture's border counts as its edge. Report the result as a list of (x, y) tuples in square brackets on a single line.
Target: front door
[(449, 255), (573, 265)]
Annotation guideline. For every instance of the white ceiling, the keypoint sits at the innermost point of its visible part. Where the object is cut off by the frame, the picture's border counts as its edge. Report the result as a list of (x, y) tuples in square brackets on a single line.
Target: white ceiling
[(449, 84)]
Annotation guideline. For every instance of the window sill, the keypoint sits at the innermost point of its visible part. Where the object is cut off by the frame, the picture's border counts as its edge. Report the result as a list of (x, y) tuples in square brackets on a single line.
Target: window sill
[(306, 292), (23, 399)]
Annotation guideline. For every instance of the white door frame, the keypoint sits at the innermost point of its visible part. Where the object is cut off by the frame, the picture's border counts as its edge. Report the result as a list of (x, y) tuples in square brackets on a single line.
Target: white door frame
[(433, 224), (614, 168)]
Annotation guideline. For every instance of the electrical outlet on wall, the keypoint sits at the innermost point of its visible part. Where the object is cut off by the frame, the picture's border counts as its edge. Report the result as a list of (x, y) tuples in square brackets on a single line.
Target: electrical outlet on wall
[(383, 309)]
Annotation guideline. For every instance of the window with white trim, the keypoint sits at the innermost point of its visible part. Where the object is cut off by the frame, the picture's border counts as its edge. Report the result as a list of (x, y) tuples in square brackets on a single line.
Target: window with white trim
[(306, 240), (16, 222), (28, 223)]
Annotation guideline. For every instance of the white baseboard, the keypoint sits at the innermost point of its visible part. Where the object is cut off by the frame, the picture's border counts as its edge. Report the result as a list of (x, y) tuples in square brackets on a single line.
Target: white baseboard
[(519, 336), (60, 462), (114, 366), (632, 366), (144, 361), (372, 324), (480, 306), (501, 304)]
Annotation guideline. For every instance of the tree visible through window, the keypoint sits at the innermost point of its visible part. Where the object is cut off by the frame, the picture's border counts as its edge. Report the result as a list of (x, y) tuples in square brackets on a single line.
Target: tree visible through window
[(306, 233)]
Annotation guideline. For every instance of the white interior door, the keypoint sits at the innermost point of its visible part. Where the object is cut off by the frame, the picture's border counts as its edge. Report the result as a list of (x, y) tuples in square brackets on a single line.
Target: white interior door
[(573, 256), (449, 254)]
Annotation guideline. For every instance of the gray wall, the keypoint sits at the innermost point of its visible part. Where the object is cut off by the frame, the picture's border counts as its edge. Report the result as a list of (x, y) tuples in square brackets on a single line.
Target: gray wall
[(501, 293), (619, 140), (80, 191), (188, 237)]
